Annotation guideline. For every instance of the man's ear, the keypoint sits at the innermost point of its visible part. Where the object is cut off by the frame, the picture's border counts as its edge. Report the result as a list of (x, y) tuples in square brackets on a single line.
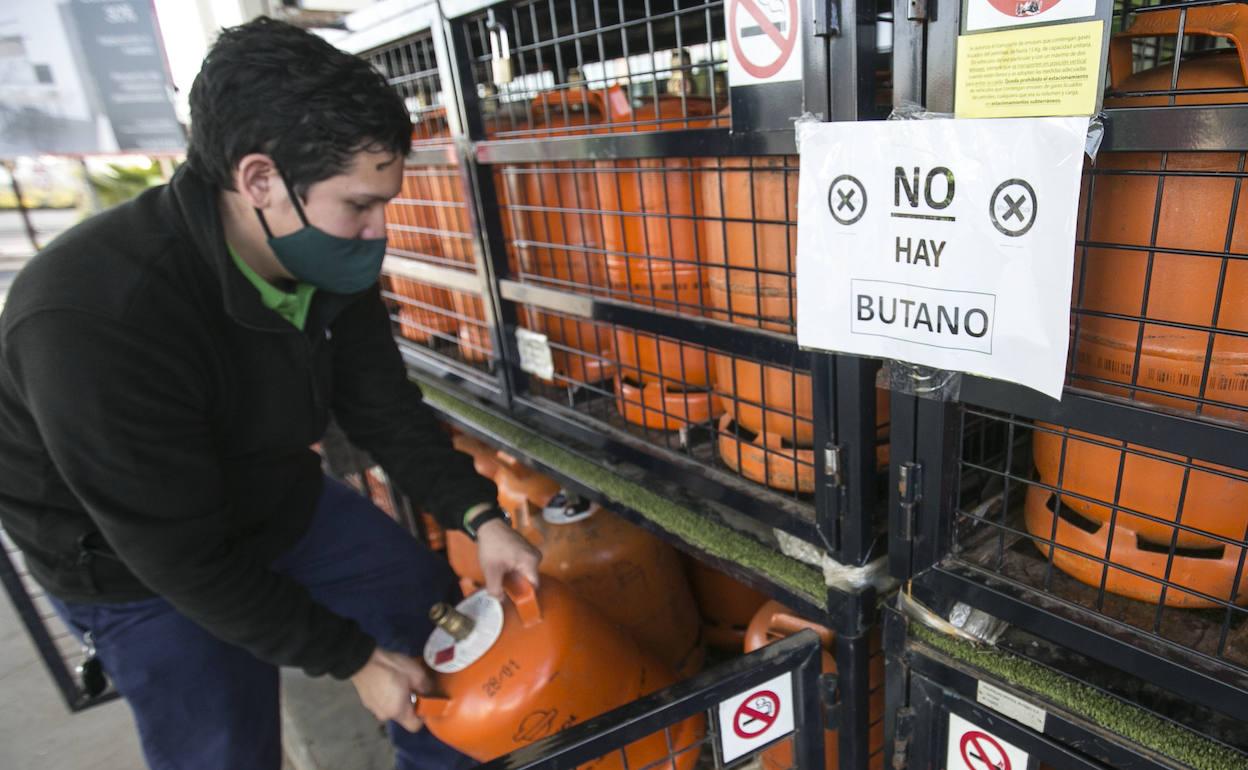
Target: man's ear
[(257, 180)]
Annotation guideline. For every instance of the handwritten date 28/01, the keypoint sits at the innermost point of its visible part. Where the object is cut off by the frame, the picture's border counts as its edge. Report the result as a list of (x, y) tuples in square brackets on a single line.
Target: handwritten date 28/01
[(495, 683)]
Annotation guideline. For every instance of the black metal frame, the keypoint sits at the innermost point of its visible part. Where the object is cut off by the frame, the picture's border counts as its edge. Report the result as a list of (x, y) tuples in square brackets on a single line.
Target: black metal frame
[(44, 639), (612, 731), (926, 434), (848, 696), (844, 517), (924, 686)]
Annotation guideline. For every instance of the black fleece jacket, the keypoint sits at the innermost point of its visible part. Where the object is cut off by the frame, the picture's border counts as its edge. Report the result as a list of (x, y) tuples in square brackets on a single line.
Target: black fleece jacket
[(156, 418)]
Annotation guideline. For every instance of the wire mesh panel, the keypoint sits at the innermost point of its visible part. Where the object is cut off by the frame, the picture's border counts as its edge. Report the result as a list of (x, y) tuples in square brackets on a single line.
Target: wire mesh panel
[(546, 66), (712, 238), (1111, 522), (1160, 262), (680, 727), (946, 694), (429, 222), (1136, 534)]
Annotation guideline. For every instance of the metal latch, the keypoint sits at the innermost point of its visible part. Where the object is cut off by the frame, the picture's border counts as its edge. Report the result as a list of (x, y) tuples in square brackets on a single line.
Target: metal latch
[(917, 11), (832, 466), (909, 493)]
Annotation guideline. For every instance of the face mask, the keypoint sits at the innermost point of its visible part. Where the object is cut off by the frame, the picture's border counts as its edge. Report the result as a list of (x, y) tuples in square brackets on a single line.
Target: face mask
[(311, 255)]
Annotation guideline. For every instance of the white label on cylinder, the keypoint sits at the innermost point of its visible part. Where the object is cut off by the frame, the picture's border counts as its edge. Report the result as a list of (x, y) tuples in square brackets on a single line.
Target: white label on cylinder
[(560, 511), (446, 655)]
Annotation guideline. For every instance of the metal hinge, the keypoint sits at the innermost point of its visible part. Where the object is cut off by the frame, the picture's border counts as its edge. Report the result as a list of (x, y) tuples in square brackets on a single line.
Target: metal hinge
[(901, 737), (828, 687), (918, 10), (909, 493), (827, 17), (832, 465)]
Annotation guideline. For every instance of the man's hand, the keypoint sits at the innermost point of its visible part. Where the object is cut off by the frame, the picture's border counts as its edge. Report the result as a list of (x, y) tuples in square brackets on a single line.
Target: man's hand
[(386, 684), (501, 551)]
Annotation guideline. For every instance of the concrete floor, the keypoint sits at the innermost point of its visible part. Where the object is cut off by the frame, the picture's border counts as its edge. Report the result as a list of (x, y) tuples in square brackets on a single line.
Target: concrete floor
[(38, 732)]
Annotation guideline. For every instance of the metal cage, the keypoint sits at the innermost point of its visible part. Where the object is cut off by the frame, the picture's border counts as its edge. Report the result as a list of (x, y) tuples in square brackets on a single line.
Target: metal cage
[(1040, 706), (1110, 521), (643, 232), (441, 307)]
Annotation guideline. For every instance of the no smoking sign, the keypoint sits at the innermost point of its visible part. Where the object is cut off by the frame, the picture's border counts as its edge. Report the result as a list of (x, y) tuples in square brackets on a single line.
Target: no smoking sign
[(971, 748), (764, 41), (756, 717)]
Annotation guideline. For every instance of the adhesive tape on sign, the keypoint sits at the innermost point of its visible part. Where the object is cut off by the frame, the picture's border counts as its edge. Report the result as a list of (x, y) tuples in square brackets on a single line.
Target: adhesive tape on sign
[(447, 656)]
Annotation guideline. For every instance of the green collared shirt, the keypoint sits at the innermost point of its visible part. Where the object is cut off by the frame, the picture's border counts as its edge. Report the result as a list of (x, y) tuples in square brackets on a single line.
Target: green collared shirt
[(293, 306)]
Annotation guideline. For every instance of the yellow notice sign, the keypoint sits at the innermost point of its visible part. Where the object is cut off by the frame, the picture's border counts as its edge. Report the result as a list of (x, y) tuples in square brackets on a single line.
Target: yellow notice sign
[(1030, 72)]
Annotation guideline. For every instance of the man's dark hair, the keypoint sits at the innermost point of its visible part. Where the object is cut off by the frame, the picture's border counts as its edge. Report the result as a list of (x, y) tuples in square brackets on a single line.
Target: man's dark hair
[(270, 87)]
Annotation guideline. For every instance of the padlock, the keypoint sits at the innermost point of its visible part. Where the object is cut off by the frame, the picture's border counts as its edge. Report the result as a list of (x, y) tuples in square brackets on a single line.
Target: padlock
[(500, 55), (90, 671)]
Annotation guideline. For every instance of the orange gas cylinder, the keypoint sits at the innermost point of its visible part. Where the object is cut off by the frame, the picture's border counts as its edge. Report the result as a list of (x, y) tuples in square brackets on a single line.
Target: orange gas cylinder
[(510, 673), (1193, 217), (650, 235), (773, 622), (1214, 500), (435, 536), (518, 483), (461, 553), (446, 216), (484, 456), (411, 223), (634, 579), (379, 491), (1193, 214), (424, 310), (517, 486), (725, 605), (749, 247), (559, 242)]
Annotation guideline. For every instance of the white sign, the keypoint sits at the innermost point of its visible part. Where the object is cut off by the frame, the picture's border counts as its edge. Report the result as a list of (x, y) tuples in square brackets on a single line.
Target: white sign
[(764, 41), (947, 243), (535, 354), (756, 717), (1014, 707), (995, 14), (971, 748)]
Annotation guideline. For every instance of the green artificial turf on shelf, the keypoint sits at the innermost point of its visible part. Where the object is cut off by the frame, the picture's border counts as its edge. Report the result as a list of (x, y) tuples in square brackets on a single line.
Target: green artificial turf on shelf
[(1129, 721), (697, 529)]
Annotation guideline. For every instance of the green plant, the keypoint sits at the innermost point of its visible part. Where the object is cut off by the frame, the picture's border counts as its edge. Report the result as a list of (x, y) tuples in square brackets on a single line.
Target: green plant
[(120, 183)]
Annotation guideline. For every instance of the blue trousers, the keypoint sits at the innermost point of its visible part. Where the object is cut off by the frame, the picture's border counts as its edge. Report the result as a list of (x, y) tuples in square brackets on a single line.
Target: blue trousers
[(203, 704)]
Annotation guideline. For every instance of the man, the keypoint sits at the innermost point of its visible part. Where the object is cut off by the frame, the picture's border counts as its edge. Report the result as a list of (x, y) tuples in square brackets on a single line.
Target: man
[(164, 368)]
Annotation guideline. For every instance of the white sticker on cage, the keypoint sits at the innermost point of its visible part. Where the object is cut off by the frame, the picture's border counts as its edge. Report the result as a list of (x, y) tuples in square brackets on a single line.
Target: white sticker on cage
[(535, 355), (1012, 706), (764, 41), (973, 748), (945, 243), (756, 717)]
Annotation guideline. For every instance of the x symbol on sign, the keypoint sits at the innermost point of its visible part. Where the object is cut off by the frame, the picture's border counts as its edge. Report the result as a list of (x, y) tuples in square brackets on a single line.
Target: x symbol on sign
[(845, 200), (1015, 207)]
